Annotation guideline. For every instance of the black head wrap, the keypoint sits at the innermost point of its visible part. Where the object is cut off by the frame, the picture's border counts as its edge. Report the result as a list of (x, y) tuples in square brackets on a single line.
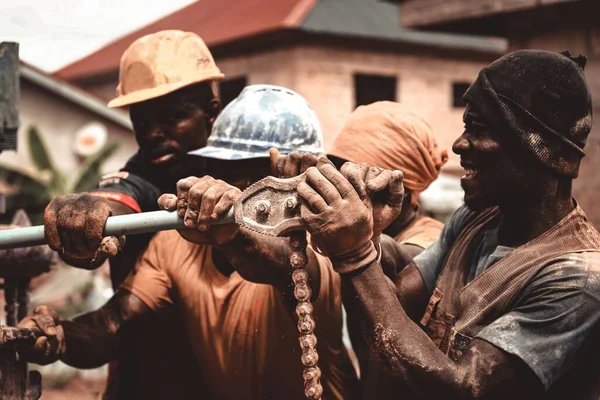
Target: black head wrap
[(543, 99)]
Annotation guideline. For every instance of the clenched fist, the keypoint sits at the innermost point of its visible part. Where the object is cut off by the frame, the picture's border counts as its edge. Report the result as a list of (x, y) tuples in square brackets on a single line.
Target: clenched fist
[(341, 215), (50, 347), (383, 187), (74, 225), (200, 201)]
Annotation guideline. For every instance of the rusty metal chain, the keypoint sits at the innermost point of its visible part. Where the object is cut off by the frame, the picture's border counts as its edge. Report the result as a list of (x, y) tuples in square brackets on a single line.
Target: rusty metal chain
[(306, 324)]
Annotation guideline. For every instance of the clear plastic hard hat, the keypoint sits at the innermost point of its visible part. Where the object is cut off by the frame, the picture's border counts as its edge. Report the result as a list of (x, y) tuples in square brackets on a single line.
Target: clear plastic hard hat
[(261, 117)]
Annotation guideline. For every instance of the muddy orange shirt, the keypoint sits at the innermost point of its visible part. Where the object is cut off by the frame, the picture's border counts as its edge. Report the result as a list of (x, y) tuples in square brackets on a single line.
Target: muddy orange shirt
[(243, 333)]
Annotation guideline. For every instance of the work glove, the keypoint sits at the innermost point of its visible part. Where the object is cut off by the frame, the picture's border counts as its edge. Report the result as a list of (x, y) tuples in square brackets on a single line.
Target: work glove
[(338, 212), (48, 348), (74, 225), (200, 201)]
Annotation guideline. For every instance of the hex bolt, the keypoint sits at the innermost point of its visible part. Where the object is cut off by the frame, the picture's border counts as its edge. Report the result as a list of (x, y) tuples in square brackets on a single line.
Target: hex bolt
[(291, 203), (263, 207)]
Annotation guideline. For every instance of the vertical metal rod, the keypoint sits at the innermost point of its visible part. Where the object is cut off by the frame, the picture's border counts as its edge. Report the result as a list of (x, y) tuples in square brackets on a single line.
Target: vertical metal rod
[(10, 298), (23, 297)]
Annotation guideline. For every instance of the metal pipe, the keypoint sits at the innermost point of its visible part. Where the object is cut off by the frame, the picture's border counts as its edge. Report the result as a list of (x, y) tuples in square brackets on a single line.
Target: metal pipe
[(130, 224)]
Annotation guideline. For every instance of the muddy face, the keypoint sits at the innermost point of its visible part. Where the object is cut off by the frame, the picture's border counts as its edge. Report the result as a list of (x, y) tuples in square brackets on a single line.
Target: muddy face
[(168, 127), (497, 170)]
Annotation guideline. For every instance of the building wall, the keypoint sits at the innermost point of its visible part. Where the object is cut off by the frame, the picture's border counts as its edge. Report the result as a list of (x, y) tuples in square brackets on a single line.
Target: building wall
[(578, 41), (325, 77), (105, 90), (57, 121)]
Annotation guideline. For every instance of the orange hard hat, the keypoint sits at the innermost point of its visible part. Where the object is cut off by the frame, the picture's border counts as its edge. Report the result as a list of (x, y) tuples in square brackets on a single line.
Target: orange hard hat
[(160, 63)]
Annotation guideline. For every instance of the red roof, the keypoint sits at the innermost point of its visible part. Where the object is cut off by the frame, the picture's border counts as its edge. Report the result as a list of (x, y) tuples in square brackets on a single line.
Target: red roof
[(205, 17)]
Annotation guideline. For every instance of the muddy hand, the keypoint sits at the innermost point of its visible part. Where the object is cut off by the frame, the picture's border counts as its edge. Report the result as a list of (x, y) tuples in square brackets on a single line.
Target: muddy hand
[(49, 348), (338, 220), (293, 164), (73, 225), (200, 201), (383, 187)]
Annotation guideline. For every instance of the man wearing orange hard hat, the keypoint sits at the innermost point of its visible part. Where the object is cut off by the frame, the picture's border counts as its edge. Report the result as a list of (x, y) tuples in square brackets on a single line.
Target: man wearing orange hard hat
[(167, 80)]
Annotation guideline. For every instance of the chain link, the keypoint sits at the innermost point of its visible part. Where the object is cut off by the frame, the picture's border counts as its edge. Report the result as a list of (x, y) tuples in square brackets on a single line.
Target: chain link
[(306, 324)]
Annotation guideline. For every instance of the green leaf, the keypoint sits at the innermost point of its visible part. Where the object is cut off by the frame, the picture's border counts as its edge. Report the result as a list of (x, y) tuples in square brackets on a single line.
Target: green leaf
[(34, 207), (22, 180), (38, 151), (91, 169), (31, 192)]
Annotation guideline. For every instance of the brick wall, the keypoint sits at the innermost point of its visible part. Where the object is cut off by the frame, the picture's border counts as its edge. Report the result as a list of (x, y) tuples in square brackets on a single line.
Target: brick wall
[(104, 90)]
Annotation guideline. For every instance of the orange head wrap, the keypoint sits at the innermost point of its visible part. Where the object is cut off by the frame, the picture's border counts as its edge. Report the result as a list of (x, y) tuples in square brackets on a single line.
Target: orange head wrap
[(387, 135)]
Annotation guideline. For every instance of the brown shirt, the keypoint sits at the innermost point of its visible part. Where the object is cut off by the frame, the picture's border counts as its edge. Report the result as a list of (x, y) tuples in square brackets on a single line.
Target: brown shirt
[(242, 333), (422, 232), (539, 302)]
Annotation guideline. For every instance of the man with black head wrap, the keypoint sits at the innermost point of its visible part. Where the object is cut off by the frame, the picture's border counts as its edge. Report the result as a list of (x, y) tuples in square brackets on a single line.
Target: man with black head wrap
[(507, 302)]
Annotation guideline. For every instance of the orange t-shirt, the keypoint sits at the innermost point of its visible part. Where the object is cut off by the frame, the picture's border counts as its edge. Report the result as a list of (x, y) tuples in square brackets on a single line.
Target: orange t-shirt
[(422, 232), (243, 333)]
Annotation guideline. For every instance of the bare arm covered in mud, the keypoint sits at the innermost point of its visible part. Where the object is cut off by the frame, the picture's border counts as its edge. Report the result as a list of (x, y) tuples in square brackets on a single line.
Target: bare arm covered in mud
[(404, 351), (89, 340), (404, 278)]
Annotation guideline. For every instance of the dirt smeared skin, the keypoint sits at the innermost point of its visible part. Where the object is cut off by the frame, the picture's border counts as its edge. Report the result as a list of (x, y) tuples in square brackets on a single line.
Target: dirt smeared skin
[(89, 340), (74, 226), (407, 355)]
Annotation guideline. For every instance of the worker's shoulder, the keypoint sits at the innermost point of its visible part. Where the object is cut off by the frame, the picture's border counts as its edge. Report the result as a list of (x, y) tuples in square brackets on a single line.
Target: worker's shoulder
[(577, 270), (591, 262), (429, 222)]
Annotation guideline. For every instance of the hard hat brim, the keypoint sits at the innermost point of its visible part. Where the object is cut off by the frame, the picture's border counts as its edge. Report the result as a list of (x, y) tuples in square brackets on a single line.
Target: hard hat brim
[(227, 154), (161, 90)]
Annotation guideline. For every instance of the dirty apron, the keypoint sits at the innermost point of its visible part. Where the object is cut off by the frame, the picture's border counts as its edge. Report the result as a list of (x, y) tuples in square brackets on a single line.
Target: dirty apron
[(459, 309)]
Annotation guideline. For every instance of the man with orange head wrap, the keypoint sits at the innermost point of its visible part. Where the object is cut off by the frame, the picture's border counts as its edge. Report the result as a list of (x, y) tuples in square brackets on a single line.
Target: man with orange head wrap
[(387, 135)]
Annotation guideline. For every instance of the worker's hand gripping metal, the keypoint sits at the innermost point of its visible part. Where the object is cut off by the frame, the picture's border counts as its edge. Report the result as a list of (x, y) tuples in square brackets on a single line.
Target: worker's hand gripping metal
[(271, 207)]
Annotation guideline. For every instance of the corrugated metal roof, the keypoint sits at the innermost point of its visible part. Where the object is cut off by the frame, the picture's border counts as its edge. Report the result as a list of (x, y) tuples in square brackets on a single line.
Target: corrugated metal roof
[(374, 19)]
